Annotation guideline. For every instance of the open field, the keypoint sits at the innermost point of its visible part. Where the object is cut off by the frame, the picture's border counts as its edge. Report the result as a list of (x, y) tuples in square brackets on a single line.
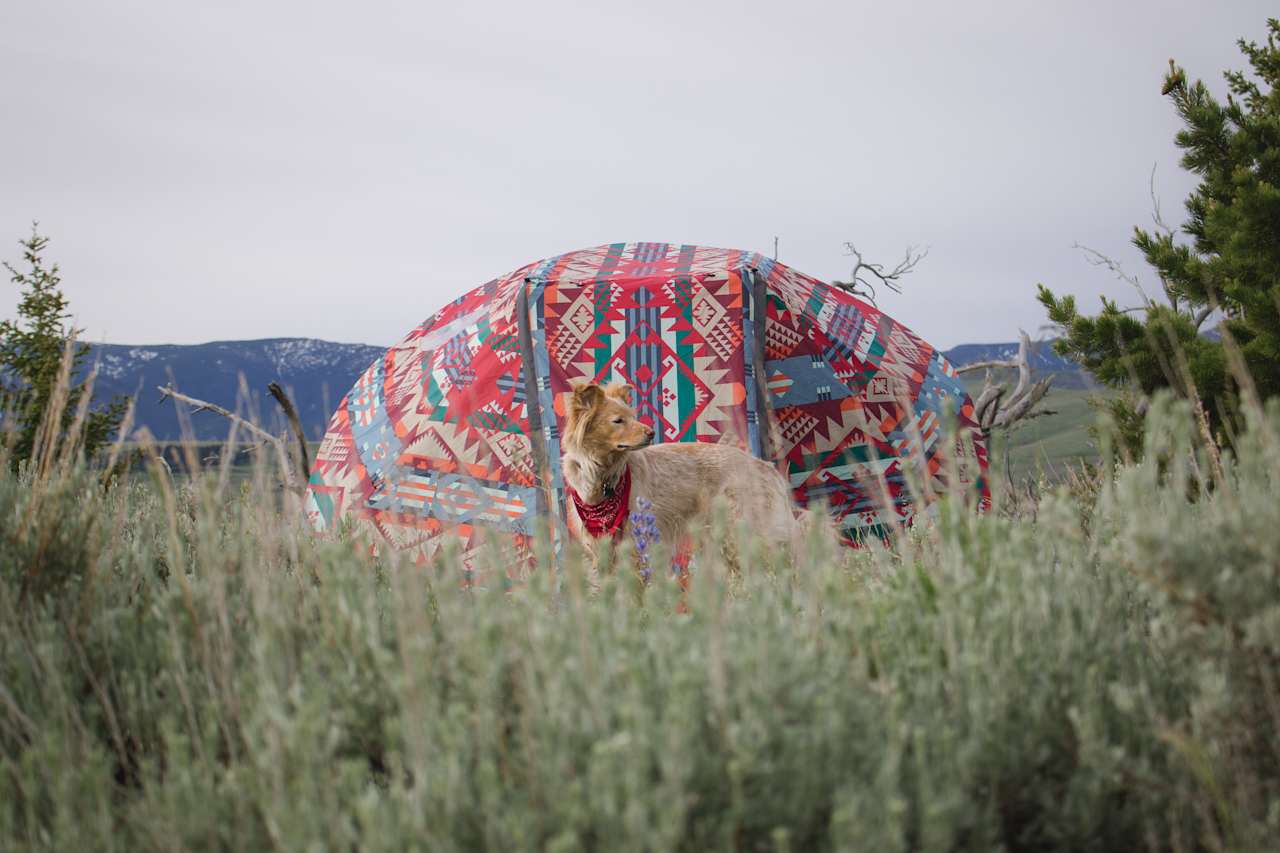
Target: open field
[(184, 669), (1052, 443), (1046, 447)]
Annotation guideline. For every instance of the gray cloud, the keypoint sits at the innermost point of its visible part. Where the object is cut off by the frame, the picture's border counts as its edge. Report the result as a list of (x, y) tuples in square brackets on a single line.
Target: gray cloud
[(339, 171)]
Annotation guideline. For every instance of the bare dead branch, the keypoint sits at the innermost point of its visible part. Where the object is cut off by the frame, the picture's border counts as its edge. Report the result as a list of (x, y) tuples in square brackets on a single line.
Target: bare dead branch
[(299, 435), (997, 407), (1019, 408), (988, 365), (1038, 413), (1163, 227), (205, 406), (1024, 365), (1098, 259), (1156, 216), (863, 277), (988, 404)]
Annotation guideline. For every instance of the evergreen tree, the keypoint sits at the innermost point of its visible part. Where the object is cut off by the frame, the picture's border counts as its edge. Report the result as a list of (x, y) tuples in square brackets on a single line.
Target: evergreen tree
[(1230, 265), (32, 349)]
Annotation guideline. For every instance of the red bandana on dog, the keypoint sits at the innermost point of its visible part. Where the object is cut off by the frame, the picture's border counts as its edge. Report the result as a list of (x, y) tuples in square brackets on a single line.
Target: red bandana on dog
[(608, 516)]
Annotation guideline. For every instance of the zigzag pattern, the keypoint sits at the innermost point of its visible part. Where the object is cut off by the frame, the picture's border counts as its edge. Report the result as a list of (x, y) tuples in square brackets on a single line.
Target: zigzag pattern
[(433, 441)]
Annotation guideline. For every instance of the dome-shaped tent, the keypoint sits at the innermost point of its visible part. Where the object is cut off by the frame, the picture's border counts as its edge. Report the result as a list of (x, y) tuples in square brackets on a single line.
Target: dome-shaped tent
[(455, 430)]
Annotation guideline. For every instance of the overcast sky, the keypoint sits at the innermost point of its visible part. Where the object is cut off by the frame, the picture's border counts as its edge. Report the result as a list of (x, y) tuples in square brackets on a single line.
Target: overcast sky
[(268, 169)]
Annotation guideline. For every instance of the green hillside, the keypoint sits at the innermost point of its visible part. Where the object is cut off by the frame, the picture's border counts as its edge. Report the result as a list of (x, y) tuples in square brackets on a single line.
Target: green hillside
[(1053, 443)]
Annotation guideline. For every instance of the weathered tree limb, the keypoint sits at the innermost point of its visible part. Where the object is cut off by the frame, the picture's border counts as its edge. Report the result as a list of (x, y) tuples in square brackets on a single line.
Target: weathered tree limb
[(1098, 259), (996, 407), (890, 279), (1020, 407), (988, 404), (1163, 227), (988, 365), (1024, 366), (205, 406), (1038, 413), (299, 435)]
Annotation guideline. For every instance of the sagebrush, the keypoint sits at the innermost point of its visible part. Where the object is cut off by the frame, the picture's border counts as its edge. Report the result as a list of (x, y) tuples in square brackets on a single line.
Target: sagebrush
[(186, 668)]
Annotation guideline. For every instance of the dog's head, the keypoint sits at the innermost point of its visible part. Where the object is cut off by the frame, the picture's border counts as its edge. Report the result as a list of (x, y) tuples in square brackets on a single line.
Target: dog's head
[(600, 421)]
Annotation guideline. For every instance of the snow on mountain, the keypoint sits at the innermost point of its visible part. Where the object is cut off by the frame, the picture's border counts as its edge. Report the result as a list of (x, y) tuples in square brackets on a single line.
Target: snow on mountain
[(316, 373), (1043, 360)]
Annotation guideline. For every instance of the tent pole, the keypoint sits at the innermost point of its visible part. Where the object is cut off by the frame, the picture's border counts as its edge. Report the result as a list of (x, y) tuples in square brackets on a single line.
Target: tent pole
[(764, 409), (529, 371)]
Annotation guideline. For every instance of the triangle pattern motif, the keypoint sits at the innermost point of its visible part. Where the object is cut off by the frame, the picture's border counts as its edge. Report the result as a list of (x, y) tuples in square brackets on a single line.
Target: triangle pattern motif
[(455, 432)]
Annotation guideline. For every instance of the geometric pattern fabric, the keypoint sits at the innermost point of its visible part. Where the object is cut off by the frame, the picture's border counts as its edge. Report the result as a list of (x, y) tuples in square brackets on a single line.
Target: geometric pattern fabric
[(453, 435)]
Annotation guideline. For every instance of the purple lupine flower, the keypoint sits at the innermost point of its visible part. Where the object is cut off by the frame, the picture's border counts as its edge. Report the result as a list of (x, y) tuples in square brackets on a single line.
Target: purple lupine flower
[(644, 529)]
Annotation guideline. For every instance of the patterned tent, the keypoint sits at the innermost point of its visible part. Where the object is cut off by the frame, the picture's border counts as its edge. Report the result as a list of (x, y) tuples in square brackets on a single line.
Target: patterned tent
[(455, 431)]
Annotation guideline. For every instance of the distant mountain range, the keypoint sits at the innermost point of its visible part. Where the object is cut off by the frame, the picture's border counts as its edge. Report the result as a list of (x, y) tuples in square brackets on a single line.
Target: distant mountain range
[(318, 374), (1043, 358), (1043, 361)]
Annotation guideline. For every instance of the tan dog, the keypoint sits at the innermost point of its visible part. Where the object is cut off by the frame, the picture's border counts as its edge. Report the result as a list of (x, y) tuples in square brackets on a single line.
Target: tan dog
[(610, 465)]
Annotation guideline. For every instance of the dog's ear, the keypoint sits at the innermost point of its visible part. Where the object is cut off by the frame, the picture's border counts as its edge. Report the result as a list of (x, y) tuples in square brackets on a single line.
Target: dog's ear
[(585, 398), (619, 391)]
